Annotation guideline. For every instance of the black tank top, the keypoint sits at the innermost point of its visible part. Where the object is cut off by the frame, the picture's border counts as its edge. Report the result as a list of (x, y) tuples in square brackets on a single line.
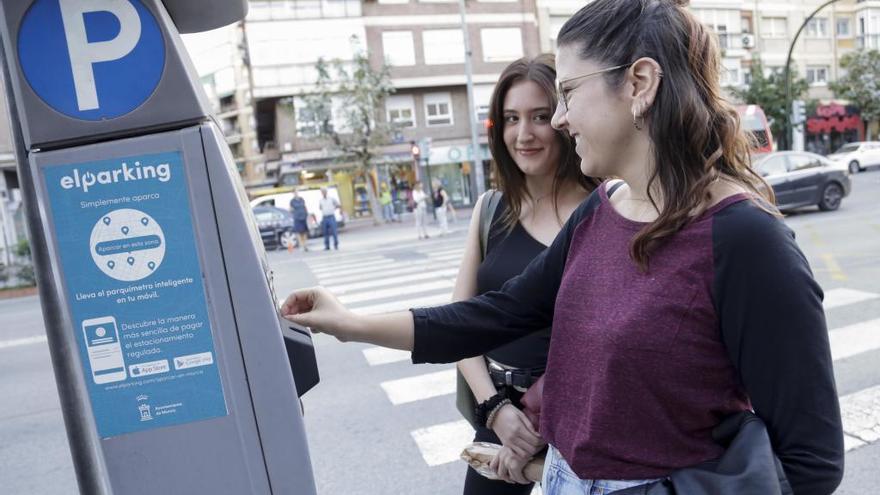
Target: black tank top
[(507, 255)]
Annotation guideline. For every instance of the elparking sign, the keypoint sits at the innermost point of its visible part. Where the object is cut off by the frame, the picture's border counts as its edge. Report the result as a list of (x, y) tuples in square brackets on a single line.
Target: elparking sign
[(91, 59)]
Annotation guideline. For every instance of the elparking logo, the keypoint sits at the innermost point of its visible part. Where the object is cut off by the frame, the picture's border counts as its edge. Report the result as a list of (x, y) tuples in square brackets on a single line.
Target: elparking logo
[(91, 59)]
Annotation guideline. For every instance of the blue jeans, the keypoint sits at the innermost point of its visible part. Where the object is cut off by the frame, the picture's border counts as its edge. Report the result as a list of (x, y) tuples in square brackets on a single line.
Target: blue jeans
[(559, 479), (388, 212), (328, 226)]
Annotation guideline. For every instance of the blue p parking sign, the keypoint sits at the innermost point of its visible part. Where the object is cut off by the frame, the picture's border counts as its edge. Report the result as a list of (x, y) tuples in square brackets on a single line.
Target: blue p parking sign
[(91, 59)]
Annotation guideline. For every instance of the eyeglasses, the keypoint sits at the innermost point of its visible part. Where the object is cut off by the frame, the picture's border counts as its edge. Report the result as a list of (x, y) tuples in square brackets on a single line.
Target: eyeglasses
[(563, 97)]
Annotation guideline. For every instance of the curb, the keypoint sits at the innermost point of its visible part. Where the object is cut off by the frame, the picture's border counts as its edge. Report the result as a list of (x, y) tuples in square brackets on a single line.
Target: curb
[(19, 292)]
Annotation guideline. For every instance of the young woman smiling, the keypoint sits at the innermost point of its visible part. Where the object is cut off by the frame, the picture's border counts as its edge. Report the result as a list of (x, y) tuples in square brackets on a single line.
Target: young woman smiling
[(677, 296), (541, 184)]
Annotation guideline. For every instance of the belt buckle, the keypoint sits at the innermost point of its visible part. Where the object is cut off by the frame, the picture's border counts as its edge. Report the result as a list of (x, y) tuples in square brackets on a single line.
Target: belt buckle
[(508, 378)]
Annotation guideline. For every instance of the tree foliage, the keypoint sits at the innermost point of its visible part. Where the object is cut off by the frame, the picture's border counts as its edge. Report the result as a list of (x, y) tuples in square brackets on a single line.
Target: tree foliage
[(345, 111), (768, 92), (860, 84)]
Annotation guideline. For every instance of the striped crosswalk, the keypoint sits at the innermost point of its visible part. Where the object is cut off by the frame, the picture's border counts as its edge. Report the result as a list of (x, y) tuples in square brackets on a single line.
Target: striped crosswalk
[(423, 274)]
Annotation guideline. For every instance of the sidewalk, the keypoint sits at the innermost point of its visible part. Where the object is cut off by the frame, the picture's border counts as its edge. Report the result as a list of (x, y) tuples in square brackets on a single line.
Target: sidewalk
[(361, 233)]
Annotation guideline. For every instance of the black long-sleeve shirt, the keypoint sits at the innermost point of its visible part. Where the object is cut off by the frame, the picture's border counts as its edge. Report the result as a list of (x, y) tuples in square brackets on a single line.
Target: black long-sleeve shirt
[(643, 365)]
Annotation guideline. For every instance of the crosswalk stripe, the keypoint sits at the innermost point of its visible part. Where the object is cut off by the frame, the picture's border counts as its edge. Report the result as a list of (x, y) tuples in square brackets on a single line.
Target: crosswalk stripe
[(379, 282), (36, 339), (860, 412), (349, 279), (855, 339), (383, 355), (443, 443), (374, 258), (835, 298), (420, 387), (401, 290), (404, 305), (324, 259), (385, 267)]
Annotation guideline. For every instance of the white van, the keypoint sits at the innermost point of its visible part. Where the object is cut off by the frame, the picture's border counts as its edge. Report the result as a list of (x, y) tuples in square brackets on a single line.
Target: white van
[(312, 198)]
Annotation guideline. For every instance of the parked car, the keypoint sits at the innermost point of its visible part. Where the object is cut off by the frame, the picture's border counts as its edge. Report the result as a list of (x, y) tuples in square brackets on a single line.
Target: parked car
[(857, 156), (801, 179), (276, 226), (312, 197)]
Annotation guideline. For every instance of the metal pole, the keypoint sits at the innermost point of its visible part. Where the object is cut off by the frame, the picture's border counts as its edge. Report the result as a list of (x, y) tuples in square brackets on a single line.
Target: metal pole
[(430, 188), (472, 117), (788, 124), (85, 449)]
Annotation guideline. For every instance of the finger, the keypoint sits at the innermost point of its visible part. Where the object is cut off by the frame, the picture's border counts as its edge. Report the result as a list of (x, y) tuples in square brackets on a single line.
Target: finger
[(521, 448), (526, 430), (298, 302)]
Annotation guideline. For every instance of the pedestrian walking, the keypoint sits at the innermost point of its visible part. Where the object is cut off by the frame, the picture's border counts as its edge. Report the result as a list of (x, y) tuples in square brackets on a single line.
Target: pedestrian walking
[(677, 296), (328, 206), (300, 219), (420, 209), (540, 185), (387, 204), (440, 201)]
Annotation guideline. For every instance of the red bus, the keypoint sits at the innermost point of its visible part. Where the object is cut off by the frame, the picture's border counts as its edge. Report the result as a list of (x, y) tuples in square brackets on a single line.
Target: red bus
[(755, 123)]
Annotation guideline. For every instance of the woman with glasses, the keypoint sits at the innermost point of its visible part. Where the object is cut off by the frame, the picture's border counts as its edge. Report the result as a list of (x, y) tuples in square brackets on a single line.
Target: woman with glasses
[(676, 296), (540, 185)]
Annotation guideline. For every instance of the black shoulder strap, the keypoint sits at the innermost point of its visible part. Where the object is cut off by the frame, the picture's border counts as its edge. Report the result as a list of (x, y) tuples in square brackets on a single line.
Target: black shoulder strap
[(614, 188), (487, 213)]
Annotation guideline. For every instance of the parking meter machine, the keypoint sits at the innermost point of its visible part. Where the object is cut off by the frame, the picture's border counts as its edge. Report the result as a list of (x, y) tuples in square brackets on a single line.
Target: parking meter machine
[(173, 372)]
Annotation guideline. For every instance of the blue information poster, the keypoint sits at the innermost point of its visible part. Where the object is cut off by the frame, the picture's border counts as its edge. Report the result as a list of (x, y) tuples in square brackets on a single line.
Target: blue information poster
[(134, 285)]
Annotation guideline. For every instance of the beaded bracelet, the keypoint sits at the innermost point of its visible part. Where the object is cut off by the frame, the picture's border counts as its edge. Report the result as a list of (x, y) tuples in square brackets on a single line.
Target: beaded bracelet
[(491, 417)]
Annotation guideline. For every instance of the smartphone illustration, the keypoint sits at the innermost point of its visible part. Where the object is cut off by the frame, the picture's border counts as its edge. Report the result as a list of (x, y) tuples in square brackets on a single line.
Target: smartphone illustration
[(105, 351)]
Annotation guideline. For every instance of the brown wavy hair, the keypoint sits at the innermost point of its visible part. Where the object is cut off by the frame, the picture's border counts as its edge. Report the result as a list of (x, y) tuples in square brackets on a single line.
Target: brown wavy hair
[(696, 136), (510, 179)]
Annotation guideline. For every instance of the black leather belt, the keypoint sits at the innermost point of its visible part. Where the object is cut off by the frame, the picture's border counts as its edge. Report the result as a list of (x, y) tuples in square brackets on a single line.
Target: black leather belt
[(520, 378)]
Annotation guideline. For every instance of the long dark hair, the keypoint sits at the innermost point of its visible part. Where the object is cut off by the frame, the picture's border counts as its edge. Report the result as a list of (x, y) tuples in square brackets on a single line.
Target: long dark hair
[(510, 179), (695, 134)]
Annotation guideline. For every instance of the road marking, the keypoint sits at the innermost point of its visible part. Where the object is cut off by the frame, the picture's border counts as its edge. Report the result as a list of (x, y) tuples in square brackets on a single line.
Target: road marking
[(835, 298), (833, 267), (378, 282), (345, 279), (36, 339), (443, 443), (860, 412), (402, 290), (403, 305), (855, 339), (389, 266), (378, 259), (383, 355), (421, 387)]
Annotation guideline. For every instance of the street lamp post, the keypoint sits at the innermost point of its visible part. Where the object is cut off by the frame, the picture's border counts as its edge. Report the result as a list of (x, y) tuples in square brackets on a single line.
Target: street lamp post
[(788, 110), (475, 143)]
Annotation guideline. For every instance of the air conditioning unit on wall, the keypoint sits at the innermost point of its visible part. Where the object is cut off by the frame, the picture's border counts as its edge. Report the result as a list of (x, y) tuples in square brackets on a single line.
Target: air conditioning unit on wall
[(748, 40)]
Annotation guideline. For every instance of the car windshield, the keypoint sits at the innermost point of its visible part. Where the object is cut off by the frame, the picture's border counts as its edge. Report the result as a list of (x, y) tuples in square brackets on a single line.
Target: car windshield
[(846, 148)]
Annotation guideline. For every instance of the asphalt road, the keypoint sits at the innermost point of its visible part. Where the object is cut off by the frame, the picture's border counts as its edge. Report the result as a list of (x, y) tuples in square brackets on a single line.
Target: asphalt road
[(379, 425)]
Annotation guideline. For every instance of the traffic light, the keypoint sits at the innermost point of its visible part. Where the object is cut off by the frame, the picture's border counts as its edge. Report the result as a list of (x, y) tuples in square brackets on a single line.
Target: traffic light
[(416, 151), (798, 112)]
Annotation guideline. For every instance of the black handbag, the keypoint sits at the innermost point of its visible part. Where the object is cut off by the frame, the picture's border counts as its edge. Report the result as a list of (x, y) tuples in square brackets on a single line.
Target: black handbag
[(464, 397), (747, 466)]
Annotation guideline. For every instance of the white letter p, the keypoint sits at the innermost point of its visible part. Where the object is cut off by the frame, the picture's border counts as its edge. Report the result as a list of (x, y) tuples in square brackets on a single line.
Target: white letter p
[(83, 54)]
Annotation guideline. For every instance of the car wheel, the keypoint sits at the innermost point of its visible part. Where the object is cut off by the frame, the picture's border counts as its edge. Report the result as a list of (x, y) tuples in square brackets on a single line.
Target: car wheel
[(854, 167), (286, 239), (832, 195)]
